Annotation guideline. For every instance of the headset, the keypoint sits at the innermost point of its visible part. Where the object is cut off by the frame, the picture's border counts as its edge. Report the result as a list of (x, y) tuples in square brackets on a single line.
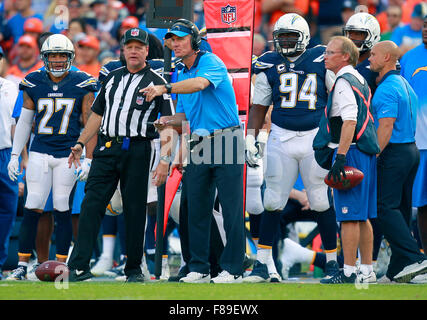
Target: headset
[(196, 39)]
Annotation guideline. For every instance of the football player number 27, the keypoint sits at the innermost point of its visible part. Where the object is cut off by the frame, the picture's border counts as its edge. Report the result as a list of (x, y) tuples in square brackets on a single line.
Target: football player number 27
[(50, 106), (289, 85)]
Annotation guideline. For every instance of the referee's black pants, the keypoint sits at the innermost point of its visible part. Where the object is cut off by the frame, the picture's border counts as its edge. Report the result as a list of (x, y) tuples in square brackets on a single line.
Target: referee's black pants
[(110, 165), (397, 166), (227, 177)]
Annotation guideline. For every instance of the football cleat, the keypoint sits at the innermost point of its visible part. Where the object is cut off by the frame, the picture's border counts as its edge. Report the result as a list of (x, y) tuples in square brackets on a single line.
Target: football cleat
[(31, 275), (331, 269), (411, 271), (340, 277), (196, 277), (19, 273), (181, 274), (79, 275), (104, 263), (259, 273), (226, 277), (371, 278), (135, 278), (420, 279), (117, 271)]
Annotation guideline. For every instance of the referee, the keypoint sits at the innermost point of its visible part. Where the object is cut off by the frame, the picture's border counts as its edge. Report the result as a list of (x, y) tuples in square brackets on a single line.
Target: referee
[(124, 152)]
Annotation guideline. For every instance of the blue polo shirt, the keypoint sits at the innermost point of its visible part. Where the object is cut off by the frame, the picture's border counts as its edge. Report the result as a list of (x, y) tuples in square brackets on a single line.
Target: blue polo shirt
[(395, 98), (214, 107)]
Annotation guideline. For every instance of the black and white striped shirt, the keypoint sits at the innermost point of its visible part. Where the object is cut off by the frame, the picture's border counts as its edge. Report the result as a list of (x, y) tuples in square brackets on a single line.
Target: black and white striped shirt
[(124, 109)]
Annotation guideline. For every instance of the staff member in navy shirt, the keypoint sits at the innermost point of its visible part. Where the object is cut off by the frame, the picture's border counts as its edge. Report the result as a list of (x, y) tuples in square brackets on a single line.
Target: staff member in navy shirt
[(206, 100), (394, 108)]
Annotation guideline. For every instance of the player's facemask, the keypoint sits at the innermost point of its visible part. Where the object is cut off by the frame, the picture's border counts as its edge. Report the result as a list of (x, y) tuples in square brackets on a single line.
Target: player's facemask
[(289, 45), (57, 67)]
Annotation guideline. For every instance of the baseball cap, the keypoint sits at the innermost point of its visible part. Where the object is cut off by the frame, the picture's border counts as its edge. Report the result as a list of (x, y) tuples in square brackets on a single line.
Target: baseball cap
[(33, 25), (28, 40), (178, 30), (420, 11), (98, 2), (136, 34), (130, 22), (89, 41)]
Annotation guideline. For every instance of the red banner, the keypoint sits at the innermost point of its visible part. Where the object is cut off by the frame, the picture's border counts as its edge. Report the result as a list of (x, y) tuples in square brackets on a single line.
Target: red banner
[(229, 26)]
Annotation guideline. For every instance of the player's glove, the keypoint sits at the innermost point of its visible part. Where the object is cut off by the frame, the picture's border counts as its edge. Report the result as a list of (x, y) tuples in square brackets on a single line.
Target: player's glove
[(255, 148), (337, 168), (13, 167), (82, 172)]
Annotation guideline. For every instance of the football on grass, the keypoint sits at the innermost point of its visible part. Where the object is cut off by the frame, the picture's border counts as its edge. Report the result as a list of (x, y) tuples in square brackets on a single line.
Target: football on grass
[(352, 178), (50, 270)]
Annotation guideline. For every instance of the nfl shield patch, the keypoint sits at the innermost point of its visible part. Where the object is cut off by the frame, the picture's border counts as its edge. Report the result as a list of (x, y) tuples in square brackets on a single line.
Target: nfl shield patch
[(228, 14), (134, 32), (139, 100)]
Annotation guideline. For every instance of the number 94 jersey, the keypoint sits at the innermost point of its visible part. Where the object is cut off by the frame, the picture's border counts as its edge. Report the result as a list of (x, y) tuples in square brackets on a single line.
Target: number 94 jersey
[(296, 89), (58, 109)]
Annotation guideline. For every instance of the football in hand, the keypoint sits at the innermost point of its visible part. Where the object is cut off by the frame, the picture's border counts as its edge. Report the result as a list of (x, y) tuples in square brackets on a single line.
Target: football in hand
[(352, 178), (50, 270)]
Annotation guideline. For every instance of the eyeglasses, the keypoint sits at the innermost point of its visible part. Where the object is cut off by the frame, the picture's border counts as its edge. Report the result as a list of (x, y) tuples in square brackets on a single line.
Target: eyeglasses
[(330, 53)]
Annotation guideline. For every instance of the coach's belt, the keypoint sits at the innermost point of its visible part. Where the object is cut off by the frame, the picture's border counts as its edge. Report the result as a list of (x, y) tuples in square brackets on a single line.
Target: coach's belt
[(217, 132)]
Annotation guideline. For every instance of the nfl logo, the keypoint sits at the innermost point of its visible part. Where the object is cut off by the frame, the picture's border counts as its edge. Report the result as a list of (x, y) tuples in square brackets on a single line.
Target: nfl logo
[(139, 100), (228, 14), (344, 210), (134, 32)]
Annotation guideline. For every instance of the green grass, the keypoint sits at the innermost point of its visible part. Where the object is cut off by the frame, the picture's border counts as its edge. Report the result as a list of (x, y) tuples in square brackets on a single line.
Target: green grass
[(173, 291)]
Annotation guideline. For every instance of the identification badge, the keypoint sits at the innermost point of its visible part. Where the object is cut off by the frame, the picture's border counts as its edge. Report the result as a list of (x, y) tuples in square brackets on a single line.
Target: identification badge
[(126, 142)]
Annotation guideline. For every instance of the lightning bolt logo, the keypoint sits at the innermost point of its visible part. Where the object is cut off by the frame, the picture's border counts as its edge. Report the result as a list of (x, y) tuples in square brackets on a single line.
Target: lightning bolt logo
[(418, 70)]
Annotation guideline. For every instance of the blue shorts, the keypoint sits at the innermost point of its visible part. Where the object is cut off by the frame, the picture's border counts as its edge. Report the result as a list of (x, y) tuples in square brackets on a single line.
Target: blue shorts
[(360, 202), (419, 191)]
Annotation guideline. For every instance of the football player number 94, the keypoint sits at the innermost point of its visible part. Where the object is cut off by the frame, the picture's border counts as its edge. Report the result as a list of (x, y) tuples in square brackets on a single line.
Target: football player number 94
[(49, 106), (289, 85)]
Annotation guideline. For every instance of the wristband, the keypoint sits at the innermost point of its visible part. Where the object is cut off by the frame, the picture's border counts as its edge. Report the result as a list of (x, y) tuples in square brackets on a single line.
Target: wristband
[(81, 144)]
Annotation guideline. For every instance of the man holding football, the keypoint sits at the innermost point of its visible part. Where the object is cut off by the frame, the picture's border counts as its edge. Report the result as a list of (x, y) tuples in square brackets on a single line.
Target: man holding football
[(346, 127)]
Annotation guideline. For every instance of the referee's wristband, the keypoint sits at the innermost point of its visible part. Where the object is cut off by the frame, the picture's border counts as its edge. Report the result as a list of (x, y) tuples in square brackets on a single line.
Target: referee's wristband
[(81, 144)]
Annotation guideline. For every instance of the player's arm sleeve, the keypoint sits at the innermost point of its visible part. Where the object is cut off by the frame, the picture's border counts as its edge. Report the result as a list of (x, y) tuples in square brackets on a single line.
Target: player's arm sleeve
[(262, 90), (330, 78), (345, 100), (23, 130)]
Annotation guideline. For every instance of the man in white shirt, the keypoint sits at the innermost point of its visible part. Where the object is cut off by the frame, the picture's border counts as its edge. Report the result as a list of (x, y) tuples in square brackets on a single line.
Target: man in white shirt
[(8, 188), (348, 123)]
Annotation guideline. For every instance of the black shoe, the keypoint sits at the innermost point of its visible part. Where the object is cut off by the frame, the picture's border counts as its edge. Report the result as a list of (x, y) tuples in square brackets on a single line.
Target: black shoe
[(331, 269), (139, 277), (181, 274), (79, 275), (340, 277)]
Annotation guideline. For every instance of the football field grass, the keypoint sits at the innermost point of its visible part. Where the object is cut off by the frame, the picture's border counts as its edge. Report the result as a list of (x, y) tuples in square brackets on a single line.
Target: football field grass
[(99, 290)]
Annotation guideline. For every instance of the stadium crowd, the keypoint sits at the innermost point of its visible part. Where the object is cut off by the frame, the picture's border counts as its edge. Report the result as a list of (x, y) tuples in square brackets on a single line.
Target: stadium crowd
[(95, 29)]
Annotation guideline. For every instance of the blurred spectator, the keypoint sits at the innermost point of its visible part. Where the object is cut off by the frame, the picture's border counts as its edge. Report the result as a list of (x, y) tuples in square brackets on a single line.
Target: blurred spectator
[(199, 15), (106, 56), (407, 8), (329, 19), (259, 45), (394, 17), (136, 7), (32, 27), (27, 59), (348, 9), (277, 8), (14, 27), (409, 36), (76, 26), (89, 51), (102, 25)]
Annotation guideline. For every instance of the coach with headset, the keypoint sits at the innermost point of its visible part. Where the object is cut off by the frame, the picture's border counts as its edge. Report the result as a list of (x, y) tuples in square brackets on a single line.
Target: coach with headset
[(206, 100)]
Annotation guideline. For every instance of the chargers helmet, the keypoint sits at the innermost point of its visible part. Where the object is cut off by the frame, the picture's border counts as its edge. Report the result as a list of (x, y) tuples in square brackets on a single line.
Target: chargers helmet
[(291, 23), (367, 23), (57, 43)]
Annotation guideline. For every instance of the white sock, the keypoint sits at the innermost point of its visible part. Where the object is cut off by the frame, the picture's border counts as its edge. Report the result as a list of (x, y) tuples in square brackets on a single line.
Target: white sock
[(23, 264), (331, 256), (263, 255), (108, 245), (366, 269), (348, 270)]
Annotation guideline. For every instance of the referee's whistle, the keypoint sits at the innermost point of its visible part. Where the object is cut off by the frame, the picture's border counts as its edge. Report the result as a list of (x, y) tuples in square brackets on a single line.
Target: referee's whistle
[(108, 144)]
